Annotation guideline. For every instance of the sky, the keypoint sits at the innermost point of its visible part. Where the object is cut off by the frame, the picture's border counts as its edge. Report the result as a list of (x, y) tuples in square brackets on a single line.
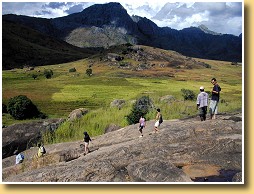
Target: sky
[(221, 16)]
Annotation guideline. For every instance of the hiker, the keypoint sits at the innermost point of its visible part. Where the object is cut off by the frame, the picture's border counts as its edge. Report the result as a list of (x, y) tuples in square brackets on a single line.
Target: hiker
[(215, 98), (158, 120), (19, 157), (41, 151), (202, 102), (86, 140), (142, 124)]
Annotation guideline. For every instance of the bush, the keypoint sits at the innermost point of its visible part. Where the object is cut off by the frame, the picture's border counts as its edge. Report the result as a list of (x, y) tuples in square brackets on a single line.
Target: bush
[(20, 107), (140, 108), (72, 70), (4, 108), (48, 73), (89, 72), (188, 94), (34, 76)]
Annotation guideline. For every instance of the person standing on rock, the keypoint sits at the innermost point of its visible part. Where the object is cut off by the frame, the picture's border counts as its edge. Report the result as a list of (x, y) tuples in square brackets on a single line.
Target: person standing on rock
[(86, 140), (202, 102), (142, 124), (157, 120), (215, 98)]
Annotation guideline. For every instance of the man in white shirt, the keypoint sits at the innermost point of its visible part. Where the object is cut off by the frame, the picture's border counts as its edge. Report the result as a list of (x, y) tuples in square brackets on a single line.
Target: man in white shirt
[(202, 103)]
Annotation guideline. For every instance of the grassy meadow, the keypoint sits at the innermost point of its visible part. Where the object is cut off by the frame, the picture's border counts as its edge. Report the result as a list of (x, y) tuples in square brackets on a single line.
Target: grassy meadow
[(66, 91)]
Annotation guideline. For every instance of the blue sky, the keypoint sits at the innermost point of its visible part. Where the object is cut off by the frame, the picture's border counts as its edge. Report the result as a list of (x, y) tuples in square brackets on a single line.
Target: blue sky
[(223, 17)]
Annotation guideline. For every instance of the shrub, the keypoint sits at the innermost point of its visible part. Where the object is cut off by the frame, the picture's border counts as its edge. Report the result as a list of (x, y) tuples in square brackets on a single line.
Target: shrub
[(89, 72), (140, 108), (34, 76), (48, 73), (20, 107), (206, 65), (72, 70), (4, 108), (188, 94)]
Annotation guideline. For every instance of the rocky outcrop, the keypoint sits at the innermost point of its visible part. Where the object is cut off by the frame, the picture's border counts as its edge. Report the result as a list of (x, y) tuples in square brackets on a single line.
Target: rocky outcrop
[(77, 114), (25, 135), (183, 151), (119, 103)]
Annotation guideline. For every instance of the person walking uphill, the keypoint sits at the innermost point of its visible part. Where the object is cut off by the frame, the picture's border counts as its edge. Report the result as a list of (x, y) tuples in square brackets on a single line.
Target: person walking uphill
[(158, 120), (202, 102), (215, 98), (86, 140)]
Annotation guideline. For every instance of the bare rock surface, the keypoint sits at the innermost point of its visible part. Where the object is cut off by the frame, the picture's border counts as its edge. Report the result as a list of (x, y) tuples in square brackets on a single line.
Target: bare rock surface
[(25, 135), (183, 151)]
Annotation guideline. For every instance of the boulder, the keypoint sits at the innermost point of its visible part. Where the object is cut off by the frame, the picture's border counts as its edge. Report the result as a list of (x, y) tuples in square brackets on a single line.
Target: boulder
[(25, 135), (167, 98), (112, 127), (77, 114), (119, 103)]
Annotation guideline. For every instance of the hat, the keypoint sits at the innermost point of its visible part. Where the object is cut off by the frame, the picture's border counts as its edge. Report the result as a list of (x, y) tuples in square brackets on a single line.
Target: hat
[(202, 88)]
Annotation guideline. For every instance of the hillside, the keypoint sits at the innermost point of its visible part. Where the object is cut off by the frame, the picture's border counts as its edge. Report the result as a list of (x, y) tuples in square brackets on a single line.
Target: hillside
[(23, 46), (104, 25), (183, 151)]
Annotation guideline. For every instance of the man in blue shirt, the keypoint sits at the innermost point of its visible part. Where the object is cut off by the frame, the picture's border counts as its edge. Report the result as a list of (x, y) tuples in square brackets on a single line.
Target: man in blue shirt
[(202, 102), (215, 98)]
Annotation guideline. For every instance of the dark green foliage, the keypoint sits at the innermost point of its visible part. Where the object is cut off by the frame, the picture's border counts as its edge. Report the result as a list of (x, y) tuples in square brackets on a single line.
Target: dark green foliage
[(89, 72), (20, 107), (140, 108), (72, 70), (206, 65), (34, 76), (4, 108), (188, 94), (209, 93), (128, 44), (48, 73)]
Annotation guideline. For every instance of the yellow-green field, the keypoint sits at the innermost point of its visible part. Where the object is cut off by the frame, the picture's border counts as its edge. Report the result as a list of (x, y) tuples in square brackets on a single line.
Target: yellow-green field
[(65, 91)]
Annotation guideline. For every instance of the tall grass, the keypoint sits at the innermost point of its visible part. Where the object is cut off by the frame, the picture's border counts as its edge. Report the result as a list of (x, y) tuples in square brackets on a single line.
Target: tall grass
[(66, 91)]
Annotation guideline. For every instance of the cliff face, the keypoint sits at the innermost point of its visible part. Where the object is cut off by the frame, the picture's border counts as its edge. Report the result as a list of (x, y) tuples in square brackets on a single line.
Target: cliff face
[(183, 151)]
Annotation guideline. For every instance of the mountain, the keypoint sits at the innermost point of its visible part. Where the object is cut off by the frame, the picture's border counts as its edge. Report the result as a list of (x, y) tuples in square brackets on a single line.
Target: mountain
[(206, 30), (25, 46), (103, 25)]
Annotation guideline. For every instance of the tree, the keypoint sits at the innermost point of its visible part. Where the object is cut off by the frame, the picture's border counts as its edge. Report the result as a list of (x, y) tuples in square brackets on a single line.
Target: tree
[(34, 76), (188, 94), (4, 108), (20, 107), (89, 72), (48, 73), (140, 108)]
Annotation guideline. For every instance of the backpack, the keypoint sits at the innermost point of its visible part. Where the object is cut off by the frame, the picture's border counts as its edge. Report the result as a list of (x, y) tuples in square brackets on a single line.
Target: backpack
[(43, 150), (22, 157), (219, 88), (160, 119)]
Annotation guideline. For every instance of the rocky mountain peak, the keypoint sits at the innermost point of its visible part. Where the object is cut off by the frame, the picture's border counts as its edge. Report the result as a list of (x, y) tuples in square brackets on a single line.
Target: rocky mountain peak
[(206, 30)]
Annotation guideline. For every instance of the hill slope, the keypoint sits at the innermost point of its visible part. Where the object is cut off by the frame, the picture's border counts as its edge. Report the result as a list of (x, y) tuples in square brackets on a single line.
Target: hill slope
[(25, 46)]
